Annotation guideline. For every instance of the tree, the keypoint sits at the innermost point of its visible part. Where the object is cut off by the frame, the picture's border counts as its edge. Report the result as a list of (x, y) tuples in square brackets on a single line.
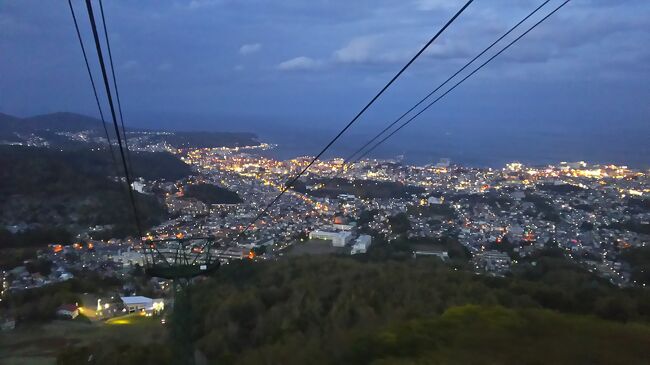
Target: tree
[(399, 223), (614, 308)]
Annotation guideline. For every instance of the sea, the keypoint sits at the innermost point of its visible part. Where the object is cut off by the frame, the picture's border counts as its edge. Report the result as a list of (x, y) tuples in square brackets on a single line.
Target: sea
[(471, 143), (486, 148)]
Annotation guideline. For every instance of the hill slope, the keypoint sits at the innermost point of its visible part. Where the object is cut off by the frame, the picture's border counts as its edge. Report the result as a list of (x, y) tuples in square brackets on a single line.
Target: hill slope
[(212, 194), (71, 189), (474, 334), (345, 311)]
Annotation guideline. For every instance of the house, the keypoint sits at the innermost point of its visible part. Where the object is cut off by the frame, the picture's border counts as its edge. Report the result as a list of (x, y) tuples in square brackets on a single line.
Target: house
[(69, 311), (361, 244)]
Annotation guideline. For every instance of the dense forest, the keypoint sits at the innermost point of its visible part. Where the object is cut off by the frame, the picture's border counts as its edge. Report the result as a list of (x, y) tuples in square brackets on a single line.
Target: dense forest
[(31, 165), (45, 188), (389, 308), (639, 260), (362, 188), (212, 194), (437, 211), (341, 310), (560, 188)]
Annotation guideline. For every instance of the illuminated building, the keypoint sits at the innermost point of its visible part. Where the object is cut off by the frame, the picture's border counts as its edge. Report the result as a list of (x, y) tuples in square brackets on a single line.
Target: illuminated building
[(142, 304), (339, 239)]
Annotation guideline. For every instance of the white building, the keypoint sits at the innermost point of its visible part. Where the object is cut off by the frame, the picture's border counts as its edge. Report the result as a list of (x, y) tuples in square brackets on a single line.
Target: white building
[(343, 227), (136, 303), (339, 239), (139, 187), (143, 304), (361, 244), (347, 197), (435, 200)]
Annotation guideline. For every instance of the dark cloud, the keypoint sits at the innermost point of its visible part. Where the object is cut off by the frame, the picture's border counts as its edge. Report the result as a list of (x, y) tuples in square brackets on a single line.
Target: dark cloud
[(309, 59)]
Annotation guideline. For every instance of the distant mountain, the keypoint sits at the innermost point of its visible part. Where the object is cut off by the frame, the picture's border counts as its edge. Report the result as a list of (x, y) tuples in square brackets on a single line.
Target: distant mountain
[(59, 122), (63, 122), (9, 122), (52, 129), (47, 129)]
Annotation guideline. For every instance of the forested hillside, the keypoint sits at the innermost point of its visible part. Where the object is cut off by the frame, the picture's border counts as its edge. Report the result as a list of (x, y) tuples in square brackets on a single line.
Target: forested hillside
[(372, 310), (212, 194), (45, 188), (341, 310), (362, 188)]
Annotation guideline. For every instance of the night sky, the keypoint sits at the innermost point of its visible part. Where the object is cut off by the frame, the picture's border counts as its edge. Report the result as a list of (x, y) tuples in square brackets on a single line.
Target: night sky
[(269, 66)]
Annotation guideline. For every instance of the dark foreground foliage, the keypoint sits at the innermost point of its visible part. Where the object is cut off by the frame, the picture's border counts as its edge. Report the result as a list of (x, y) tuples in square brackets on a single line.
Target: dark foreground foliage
[(335, 310), (121, 352), (639, 260), (495, 335)]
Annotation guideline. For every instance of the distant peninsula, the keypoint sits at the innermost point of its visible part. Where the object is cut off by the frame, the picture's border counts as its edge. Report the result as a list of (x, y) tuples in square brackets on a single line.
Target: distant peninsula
[(74, 130)]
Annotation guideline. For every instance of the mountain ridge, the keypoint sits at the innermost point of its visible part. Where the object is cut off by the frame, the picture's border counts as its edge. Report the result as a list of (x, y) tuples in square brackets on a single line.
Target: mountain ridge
[(15, 130)]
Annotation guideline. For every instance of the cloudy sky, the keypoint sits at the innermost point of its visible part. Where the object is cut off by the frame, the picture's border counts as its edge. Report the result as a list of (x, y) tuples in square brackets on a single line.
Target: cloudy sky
[(242, 64)]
